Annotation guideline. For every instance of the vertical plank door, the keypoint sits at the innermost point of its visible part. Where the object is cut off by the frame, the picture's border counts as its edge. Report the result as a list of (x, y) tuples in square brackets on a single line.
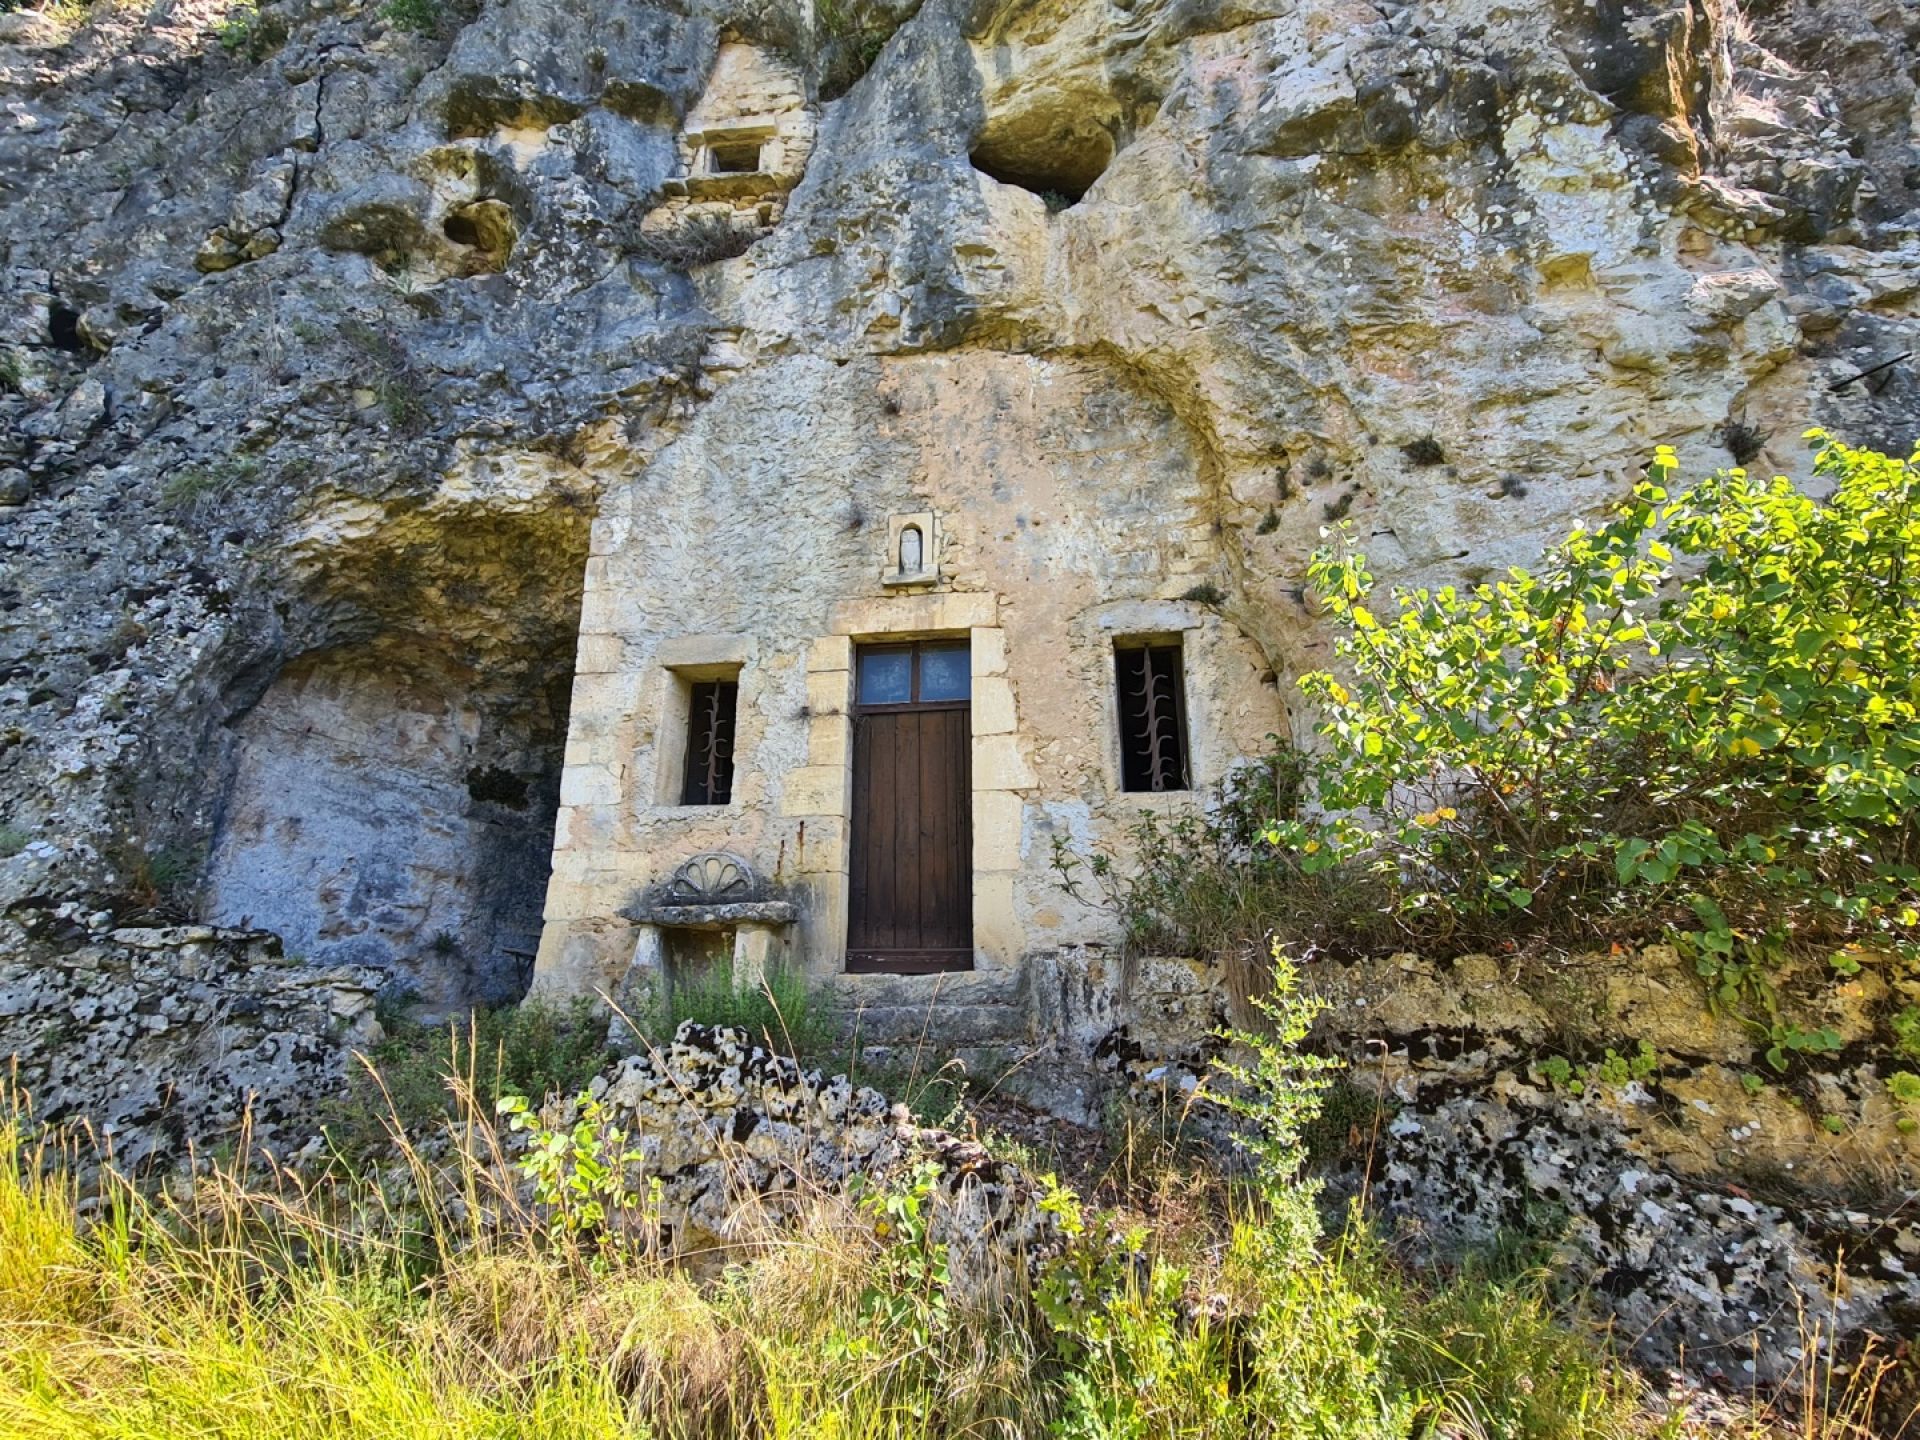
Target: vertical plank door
[(911, 882)]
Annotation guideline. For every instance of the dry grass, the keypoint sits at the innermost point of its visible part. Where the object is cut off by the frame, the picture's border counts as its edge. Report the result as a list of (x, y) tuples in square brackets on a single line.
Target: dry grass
[(431, 1300)]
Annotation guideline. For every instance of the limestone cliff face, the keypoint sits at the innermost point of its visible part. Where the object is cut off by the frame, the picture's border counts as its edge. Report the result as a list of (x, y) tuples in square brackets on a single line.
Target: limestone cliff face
[(325, 342), (393, 426)]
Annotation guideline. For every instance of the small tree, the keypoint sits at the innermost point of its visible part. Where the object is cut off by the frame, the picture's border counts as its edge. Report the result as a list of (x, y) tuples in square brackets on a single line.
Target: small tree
[(1732, 739)]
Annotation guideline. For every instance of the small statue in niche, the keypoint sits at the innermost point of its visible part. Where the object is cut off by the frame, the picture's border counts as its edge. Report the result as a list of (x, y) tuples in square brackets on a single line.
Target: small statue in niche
[(913, 553)]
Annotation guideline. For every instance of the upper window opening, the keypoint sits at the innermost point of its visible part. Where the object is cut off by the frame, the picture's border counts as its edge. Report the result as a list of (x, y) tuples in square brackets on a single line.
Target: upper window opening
[(710, 727), (1153, 717), (734, 157), (931, 673)]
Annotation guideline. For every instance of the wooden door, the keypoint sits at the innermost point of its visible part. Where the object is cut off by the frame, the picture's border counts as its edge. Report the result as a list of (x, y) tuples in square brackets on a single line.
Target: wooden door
[(910, 906)]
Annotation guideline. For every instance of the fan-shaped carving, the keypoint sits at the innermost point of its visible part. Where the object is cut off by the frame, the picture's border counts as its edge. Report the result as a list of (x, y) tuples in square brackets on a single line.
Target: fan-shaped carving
[(713, 878)]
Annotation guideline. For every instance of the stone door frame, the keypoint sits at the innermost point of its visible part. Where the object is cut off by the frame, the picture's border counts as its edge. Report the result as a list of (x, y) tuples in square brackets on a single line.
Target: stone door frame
[(820, 793)]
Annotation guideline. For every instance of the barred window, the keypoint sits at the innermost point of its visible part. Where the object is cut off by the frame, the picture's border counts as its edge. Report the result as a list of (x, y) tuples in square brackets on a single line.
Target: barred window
[(1153, 716), (709, 772)]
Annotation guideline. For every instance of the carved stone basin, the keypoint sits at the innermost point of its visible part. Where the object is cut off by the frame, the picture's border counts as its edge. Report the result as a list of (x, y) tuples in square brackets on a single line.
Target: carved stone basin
[(713, 891), (714, 917)]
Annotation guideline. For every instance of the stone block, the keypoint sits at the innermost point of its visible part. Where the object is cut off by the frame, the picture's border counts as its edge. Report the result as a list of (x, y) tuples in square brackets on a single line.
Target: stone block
[(591, 784), (1151, 617), (695, 652), (755, 947), (993, 705), (600, 609), (649, 949), (819, 845), (605, 695), (999, 765), (920, 614), (830, 652), (829, 740), (591, 750), (989, 650), (590, 829), (998, 935), (580, 960), (829, 692), (997, 816), (815, 790), (574, 900), (599, 655)]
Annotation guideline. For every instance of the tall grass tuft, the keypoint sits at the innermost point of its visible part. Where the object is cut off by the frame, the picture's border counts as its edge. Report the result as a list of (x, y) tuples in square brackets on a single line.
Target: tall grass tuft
[(779, 1010)]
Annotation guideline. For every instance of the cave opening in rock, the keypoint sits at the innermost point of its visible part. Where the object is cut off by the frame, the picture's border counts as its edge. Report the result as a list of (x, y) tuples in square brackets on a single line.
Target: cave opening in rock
[(388, 793), (485, 226), (1057, 162), (461, 229), (63, 329)]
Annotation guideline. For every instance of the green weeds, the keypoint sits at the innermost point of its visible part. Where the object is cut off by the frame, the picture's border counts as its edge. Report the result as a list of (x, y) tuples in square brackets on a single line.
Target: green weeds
[(414, 1077)]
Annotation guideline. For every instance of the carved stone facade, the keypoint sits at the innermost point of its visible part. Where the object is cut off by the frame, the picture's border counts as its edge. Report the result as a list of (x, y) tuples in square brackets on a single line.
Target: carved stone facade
[(765, 546), (742, 148)]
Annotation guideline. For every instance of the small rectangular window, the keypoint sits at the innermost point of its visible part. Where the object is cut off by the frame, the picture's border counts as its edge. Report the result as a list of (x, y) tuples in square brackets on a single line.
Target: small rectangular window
[(1153, 716), (709, 773), (735, 157), (931, 672)]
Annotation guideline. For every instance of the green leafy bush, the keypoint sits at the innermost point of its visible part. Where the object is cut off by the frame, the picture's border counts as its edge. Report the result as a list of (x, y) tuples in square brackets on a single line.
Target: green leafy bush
[(1702, 716), (584, 1174), (906, 1297), (1211, 883), (1306, 1355)]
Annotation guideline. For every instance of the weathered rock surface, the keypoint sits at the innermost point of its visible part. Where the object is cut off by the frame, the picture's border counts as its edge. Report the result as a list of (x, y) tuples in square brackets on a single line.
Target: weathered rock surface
[(322, 337), (739, 1138), (335, 366), (159, 1040), (1710, 1203)]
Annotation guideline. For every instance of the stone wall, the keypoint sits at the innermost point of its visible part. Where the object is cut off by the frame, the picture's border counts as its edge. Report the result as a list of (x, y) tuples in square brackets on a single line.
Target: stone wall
[(743, 147), (381, 816), (1134, 306), (741, 1139), (160, 1040), (1719, 1208), (761, 539)]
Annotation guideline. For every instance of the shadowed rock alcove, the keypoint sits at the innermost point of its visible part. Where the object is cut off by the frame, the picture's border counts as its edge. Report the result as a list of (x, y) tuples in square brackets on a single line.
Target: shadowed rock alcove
[(1055, 159), (388, 797), (391, 819)]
